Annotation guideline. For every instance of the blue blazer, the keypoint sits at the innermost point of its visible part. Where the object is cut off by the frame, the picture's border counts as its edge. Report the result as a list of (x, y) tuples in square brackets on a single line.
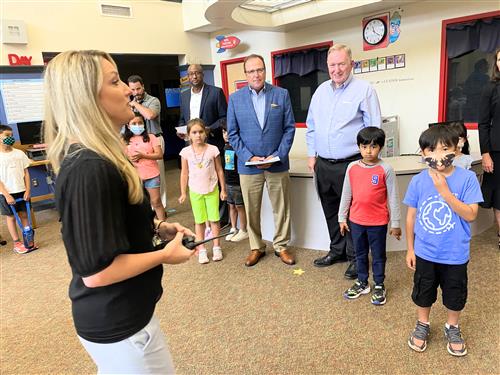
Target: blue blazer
[(249, 139), (213, 110)]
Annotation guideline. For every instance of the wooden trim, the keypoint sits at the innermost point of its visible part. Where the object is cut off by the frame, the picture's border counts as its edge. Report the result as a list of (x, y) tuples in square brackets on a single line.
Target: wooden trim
[(223, 73)]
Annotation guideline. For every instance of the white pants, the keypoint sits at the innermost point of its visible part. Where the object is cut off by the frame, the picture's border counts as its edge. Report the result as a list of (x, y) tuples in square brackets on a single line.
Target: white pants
[(161, 165), (146, 352)]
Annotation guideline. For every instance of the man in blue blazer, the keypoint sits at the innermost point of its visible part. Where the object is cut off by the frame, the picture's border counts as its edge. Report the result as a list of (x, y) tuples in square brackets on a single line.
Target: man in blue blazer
[(261, 126), (206, 102)]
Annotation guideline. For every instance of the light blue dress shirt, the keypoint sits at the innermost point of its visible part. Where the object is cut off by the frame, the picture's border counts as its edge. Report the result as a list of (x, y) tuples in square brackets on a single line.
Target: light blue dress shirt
[(337, 114), (259, 104)]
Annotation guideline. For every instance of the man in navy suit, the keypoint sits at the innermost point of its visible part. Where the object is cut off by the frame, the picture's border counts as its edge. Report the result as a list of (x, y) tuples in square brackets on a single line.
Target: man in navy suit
[(261, 126), (208, 103)]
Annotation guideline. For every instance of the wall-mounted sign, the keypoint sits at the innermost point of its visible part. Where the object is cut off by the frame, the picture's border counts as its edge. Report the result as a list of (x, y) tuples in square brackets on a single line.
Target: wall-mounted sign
[(226, 42), (19, 60)]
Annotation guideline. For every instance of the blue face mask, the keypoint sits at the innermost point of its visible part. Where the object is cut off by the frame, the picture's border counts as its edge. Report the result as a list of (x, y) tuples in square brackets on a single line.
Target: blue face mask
[(9, 141), (136, 129)]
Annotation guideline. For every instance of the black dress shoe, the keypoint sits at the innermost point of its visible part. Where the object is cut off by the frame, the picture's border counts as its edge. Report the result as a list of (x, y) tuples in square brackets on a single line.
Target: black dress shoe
[(351, 272), (329, 260)]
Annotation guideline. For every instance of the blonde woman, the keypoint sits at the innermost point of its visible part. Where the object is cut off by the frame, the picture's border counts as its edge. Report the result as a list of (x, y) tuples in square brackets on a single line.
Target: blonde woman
[(105, 214)]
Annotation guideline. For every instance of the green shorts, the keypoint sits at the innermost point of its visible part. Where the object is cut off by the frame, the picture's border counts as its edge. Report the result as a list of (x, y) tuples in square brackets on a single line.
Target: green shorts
[(205, 206)]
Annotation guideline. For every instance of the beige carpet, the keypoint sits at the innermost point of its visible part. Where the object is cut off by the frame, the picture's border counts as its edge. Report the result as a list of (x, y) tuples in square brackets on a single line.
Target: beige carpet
[(224, 318)]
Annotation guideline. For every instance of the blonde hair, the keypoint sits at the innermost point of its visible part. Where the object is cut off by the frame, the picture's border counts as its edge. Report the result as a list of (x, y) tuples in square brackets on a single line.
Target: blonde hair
[(341, 47), (74, 114)]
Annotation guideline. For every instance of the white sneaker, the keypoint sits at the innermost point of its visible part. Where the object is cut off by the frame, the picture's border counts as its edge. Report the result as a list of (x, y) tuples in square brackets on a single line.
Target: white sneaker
[(240, 236), (217, 254), (231, 234), (208, 233), (203, 257)]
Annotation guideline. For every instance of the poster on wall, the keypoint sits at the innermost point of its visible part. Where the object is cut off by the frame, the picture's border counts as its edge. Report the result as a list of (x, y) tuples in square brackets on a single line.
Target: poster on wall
[(389, 62), (399, 60), (357, 67), (373, 65), (239, 84), (381, 63), (365, 66)]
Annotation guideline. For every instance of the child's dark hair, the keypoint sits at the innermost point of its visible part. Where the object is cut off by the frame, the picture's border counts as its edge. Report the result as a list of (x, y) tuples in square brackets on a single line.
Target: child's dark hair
[(127, 134), (459, 128), (223, 124), (196, 121), (4, 128), (438, 134), (371, 135)]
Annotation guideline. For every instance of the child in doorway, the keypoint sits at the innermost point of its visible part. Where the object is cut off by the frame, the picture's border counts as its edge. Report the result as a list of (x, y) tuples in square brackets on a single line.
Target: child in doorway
[(370, 200), (14, 184), (144, 150), (202, 169), (442, 201), (234, 197), (462, 157)]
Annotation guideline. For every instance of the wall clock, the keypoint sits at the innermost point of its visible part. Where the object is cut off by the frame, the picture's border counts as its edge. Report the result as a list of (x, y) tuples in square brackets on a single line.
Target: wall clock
[(375, 32)]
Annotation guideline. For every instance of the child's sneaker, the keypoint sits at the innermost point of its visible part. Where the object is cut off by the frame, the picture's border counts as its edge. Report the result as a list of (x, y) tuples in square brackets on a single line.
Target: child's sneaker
[(378, 296), (356, 290), (203, 257), (421, 332), (217, 254), (19, 248), (454, 336), (208, 233), (240, 236), (231, 234)]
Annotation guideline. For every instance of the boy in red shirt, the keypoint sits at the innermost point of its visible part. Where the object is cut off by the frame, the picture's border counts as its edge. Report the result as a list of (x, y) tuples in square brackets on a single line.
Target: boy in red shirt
[(370, 198)]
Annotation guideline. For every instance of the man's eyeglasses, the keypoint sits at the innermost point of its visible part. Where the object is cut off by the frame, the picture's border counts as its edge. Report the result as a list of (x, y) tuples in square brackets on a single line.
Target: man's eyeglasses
[(258, 71), (192, 74)]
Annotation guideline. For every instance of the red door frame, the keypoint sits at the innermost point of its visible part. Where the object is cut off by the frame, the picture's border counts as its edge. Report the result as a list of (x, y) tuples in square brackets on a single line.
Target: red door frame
[(301, 48), (443, 95), (223, 73)]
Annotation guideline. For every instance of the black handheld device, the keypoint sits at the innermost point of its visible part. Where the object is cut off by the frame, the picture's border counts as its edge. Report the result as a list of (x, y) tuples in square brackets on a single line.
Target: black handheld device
[(188, 242)]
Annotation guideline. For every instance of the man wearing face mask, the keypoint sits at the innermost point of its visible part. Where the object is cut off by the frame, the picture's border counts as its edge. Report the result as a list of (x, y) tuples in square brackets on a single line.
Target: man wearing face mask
[(149, 108), (208, 103), (14, 184), (339, 109)]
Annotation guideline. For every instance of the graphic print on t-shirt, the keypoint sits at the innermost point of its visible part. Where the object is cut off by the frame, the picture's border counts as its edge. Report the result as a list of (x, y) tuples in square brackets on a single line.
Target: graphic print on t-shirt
[(375, 179), (435, 215)]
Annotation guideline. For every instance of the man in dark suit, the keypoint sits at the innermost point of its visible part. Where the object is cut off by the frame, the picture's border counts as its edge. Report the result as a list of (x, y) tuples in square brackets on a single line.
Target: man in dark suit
[(208, 103), (261, 127)]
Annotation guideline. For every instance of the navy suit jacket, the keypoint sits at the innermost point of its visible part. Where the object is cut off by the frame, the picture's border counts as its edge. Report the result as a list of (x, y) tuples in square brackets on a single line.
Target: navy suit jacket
[(213, 110), (249, 139)]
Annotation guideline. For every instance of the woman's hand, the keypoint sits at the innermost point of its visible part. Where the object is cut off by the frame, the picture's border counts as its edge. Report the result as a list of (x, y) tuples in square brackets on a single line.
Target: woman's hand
[(487, 162), (175, 252)]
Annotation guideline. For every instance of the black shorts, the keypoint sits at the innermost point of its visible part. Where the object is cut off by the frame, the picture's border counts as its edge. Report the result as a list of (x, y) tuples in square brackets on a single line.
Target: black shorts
[(452, 279), (234, 195), (5, 207)]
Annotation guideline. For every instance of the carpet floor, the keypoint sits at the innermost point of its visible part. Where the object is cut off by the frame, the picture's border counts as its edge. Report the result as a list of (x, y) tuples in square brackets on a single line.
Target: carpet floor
[(225, 318)]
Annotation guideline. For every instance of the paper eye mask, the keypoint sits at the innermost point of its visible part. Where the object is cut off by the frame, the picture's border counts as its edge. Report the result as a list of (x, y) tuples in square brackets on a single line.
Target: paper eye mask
[(439, 160)]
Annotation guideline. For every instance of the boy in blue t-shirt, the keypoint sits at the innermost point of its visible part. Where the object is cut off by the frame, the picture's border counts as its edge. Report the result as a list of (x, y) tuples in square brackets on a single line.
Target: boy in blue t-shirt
[(442, 201)]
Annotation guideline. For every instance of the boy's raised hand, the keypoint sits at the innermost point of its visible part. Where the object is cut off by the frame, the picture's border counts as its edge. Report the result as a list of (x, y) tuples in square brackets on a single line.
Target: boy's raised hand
[(396, 232), (343, 228), (439, 181)]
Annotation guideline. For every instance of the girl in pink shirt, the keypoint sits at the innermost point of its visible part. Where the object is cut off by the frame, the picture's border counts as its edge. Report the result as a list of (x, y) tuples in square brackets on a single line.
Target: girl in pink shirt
[(202, 169), (143, 150)]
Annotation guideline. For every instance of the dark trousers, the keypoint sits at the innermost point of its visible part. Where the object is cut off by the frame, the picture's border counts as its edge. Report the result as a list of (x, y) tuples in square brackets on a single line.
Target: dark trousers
[(365, 238), (329, 181)]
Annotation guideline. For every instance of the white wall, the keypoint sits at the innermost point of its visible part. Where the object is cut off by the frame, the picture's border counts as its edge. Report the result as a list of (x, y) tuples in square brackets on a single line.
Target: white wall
[(412, 92), (54, 26)]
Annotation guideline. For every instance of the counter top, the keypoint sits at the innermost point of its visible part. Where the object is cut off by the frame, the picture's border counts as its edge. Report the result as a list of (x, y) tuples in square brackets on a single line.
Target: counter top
[(403, 165)]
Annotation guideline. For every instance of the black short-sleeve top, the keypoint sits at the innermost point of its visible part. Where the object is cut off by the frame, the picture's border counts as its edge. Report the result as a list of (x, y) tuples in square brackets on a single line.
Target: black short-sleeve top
[(98, 224)]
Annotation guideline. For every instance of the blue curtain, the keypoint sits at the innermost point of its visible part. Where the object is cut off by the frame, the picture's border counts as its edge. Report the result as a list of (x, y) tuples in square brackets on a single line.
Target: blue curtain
[(301, 62), (483, 35)]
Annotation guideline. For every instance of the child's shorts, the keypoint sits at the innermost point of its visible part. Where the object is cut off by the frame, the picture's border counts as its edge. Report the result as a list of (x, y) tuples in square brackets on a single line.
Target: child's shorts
[(5, 207), (205, 206), (152, 183), (452, 279), (234, 195)]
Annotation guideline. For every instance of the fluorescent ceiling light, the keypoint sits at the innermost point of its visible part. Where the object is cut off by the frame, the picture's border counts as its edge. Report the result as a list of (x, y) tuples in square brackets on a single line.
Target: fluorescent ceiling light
[(270, 6)]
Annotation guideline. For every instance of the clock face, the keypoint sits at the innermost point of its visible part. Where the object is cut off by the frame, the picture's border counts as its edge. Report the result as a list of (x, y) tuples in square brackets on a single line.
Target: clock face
[(374, 31)]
